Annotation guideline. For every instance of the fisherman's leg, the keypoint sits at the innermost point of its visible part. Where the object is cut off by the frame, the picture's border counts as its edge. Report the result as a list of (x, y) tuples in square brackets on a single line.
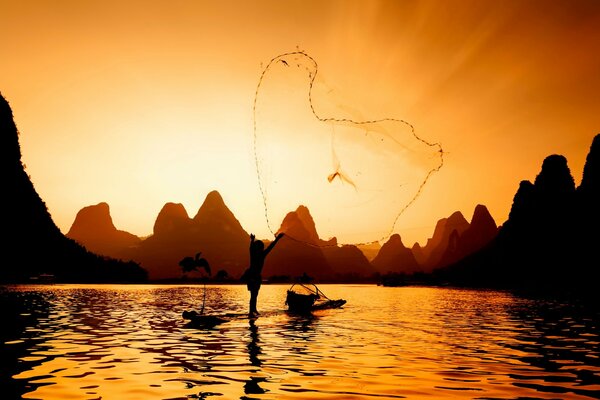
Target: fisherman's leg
[(253, 299)]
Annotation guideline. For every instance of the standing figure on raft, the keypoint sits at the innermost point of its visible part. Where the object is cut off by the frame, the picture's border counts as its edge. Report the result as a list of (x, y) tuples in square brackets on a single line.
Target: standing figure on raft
[(253, 275)]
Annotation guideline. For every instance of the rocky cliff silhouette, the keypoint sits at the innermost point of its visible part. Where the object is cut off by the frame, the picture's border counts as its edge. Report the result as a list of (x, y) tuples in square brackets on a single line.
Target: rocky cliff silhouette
[(419, 254), (436, 246), (454, 238), (300, 250), (481, 230), (330, 261), (303, 251), (588, 200), (549, 239), (214, 231), (394, 257), (33, 244), (93, 227)]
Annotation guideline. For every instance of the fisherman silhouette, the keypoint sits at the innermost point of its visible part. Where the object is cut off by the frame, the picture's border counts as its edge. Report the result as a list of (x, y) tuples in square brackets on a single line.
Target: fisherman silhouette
[(252, 276)]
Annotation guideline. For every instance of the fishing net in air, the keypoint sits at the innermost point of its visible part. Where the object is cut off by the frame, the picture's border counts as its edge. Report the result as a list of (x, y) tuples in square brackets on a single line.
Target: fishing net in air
[(356, 176)]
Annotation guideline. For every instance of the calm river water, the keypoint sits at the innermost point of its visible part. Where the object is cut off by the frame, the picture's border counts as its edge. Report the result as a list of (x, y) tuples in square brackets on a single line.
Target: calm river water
[(130, 342)]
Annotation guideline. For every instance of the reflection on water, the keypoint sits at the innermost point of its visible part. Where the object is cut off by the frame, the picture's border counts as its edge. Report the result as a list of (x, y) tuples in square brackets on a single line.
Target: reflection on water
[(117, 342)]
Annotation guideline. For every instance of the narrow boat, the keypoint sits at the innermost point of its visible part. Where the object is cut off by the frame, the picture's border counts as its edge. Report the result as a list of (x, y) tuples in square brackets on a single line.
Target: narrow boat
[(198, 320), (304, 298)]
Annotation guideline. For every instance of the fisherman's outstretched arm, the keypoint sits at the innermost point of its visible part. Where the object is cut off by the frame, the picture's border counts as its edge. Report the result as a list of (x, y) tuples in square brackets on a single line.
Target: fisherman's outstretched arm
[(273, 243)]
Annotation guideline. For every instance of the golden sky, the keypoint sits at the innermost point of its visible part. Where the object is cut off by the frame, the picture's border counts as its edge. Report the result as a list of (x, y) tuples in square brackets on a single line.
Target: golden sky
[(139, 103)]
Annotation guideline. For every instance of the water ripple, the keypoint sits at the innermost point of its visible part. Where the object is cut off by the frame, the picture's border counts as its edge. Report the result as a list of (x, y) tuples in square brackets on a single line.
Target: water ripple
[(84, 341)]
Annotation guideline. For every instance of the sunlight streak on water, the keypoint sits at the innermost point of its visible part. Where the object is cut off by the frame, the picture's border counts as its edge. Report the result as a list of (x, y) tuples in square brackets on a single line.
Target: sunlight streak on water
[(85, 341)]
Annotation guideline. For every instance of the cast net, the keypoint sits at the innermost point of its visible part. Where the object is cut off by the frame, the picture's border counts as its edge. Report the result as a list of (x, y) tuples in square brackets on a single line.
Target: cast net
[(356, 176)]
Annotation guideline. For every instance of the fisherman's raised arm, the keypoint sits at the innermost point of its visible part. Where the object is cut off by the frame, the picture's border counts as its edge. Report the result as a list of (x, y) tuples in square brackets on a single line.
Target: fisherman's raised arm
[(273, 243)]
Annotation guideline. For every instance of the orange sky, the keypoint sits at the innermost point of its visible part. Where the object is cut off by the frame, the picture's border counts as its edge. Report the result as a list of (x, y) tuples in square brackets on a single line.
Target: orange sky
[(139, 103)]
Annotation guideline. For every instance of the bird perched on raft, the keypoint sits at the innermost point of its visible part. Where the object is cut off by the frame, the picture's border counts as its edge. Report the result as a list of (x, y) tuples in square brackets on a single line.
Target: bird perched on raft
[(199, 320)]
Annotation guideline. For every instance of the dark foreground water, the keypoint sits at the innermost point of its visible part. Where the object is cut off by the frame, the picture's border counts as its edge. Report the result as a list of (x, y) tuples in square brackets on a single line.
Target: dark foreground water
[(130, 342)]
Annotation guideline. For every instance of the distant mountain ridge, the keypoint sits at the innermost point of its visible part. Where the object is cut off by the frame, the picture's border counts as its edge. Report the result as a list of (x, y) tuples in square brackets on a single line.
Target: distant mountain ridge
[(214, 231), (549, 240), (453, 238), (217, 234), (33, 244)]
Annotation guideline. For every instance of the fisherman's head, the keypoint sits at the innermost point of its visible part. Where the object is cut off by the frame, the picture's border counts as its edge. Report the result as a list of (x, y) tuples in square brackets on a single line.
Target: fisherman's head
[(258, 245)]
